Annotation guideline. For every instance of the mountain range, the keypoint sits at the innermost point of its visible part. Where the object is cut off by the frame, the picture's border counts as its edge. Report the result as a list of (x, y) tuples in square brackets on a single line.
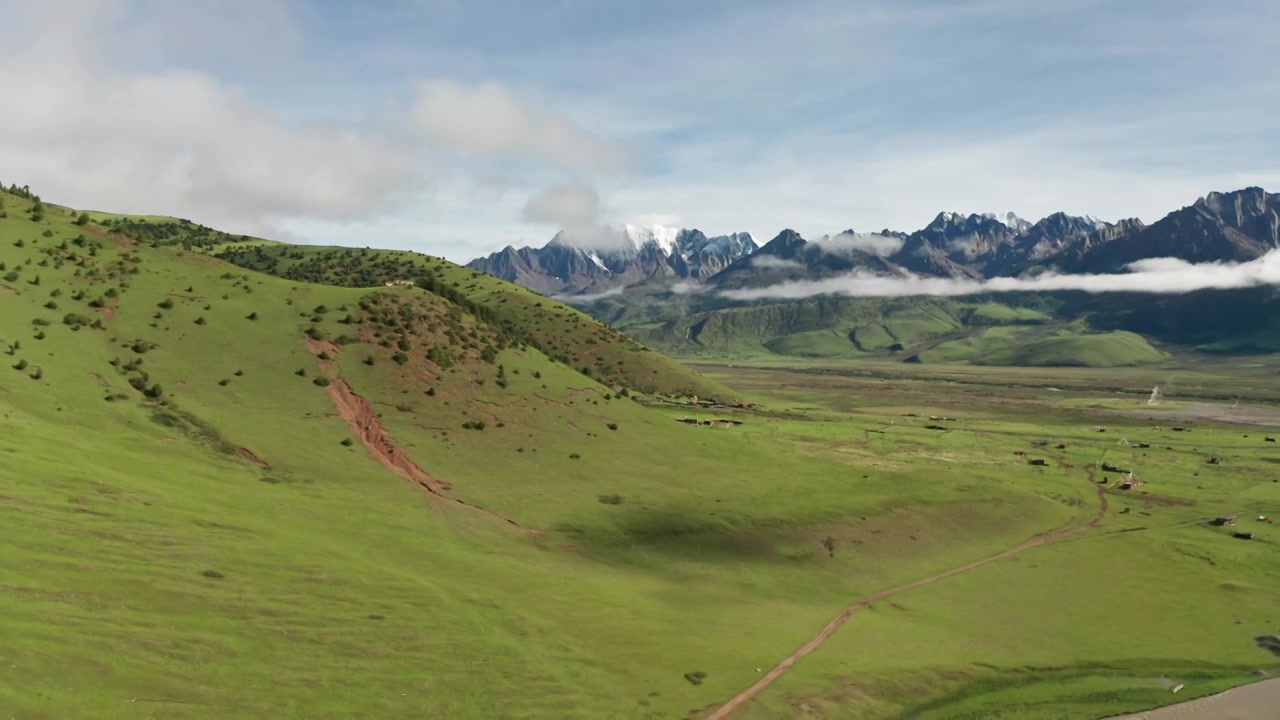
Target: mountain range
[(1220, 227), (616, 257), (730, 307)]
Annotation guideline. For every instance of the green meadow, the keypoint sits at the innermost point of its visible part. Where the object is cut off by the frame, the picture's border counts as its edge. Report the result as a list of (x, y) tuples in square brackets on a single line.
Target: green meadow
[(279, 488)]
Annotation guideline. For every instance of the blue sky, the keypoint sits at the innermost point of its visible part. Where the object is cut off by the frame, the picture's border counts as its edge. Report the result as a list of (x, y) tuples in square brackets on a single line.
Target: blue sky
[(432, 125)]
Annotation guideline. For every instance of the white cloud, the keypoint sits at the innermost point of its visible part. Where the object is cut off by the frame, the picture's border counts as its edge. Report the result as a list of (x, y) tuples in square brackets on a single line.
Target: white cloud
[(587, 298), (686, 288), (1155, 275), (565, 206), (773, 262), (846, 242), (181, 142), (490, 120)]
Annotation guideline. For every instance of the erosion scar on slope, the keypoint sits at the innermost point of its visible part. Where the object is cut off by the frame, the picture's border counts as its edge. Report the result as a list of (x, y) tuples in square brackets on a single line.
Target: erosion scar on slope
[(364, 422), (830, 628)]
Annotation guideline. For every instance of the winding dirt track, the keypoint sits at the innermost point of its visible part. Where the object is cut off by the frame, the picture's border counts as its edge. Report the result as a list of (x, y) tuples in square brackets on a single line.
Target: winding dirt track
[(827, 631)]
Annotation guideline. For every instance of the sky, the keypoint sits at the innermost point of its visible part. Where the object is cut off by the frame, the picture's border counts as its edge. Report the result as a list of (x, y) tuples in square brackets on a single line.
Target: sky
[(457, 127)]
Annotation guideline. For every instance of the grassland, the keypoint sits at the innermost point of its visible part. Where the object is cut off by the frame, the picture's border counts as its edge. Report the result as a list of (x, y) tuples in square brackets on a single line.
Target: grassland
[(1004, 329), (233, 494)]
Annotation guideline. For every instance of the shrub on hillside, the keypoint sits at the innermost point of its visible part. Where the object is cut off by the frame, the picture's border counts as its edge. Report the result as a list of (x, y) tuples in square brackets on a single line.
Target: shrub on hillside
[(165, 304), (321, 381)]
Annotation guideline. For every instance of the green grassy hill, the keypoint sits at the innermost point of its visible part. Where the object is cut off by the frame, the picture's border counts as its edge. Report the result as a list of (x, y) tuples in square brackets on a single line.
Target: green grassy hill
[(234, 494), (561, 332), (1031, 330), (248, 496)]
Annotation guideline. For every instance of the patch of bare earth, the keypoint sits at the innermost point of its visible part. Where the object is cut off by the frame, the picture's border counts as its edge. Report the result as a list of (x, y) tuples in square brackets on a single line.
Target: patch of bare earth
[(247, 454), (364, 422)]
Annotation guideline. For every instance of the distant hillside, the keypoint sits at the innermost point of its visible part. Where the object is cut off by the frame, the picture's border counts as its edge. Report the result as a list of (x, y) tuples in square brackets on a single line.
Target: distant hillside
[(561, 332)]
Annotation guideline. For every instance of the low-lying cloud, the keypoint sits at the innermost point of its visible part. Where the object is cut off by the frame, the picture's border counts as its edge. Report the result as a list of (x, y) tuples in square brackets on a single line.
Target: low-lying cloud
[(773, 262), (1153, 275), (848, 242), (588, 298)]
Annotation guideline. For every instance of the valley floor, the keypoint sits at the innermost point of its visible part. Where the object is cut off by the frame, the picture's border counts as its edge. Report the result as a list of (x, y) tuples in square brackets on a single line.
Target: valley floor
[(1177, 570)]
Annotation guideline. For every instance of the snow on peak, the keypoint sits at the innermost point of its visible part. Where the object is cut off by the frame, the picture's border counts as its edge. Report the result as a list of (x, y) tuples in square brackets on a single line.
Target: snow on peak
[(642, 235), (1009, 219)]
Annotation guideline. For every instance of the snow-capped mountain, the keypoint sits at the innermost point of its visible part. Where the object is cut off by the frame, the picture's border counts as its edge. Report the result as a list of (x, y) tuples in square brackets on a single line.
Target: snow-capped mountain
[(603, 258), (1220, 227)]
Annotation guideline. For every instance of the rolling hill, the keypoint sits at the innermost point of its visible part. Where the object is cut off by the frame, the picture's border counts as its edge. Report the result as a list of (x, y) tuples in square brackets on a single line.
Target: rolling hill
[(305, 493)]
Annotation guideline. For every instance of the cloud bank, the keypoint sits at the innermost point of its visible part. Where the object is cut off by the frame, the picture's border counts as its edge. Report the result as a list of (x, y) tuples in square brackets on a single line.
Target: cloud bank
[(1154, 275), (773, 262), (587, 298), (848, 242)]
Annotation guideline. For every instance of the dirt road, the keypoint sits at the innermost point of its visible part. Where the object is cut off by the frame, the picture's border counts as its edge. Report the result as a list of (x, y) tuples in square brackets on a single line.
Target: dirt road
[(1259, 701), (768, 678)]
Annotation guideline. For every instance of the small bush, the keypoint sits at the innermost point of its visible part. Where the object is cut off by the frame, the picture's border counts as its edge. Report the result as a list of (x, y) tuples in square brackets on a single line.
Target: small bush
[(238, 373), (368, 360), (200, 320), (213, 574), (47, 233), (613, 426), (400, 358), (225, 381), (575, 456), (300, 372), (611, 499), (165, 304), (348, 442), (321, 381), (21, 365), (37, 374), (251, 316)]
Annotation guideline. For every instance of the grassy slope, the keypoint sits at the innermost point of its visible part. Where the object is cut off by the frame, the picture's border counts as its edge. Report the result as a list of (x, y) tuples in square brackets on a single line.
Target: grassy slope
[(197, 583), (336, 588), (561, 331), (925, 329)]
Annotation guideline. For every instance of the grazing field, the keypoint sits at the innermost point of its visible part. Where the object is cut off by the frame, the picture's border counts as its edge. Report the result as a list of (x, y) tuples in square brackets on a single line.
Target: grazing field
[(1107, 618), (237, 495)]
